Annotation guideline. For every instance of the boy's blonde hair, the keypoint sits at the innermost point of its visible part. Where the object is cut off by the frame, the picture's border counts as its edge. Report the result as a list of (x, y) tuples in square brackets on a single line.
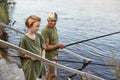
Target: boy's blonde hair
[(31, 20)]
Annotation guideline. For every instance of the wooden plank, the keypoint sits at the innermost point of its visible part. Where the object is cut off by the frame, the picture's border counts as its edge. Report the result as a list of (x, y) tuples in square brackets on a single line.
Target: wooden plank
[(6, 26), (76, 55), (7, 44)]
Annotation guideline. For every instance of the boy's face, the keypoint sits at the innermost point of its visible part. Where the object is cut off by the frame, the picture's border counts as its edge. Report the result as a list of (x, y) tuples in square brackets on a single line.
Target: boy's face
[(52, 23), (34, 28)]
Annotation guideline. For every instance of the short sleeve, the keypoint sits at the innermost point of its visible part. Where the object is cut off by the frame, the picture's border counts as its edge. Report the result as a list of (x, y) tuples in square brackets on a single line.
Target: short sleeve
[(22, 45), (45, 35), (43, 46)]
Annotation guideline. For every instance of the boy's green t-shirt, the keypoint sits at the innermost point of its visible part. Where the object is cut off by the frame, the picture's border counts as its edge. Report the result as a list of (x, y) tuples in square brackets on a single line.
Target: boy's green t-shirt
[(34, 46), (32, 69), (50, 35)]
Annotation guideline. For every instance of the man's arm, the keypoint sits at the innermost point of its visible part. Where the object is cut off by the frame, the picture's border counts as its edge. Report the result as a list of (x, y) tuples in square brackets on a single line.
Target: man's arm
[(52, 47)]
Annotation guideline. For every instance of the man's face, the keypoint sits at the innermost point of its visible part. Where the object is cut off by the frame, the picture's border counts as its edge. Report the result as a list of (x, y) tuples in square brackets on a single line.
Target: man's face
[(52, 23)]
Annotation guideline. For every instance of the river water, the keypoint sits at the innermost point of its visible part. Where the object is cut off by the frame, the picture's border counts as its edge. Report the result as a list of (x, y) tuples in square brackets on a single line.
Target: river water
[(78, 20)]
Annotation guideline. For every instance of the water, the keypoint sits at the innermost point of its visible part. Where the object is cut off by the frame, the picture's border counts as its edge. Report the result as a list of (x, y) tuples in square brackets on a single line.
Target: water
[(78, 20)]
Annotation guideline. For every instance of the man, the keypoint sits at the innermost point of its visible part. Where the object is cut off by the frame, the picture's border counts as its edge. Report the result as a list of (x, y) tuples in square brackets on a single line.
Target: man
[(51, 40)]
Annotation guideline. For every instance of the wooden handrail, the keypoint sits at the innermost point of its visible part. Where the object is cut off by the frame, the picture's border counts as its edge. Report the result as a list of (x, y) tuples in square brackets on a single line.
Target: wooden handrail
[(74, 54), (21, 50)]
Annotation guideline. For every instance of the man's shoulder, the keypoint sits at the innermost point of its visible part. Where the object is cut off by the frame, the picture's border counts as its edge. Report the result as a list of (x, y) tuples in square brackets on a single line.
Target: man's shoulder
[(45, 29)]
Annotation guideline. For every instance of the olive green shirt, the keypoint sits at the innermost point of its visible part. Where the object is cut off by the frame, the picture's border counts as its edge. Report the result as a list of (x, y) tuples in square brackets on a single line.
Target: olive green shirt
[(32, 69), (34, 46), (50, 35)]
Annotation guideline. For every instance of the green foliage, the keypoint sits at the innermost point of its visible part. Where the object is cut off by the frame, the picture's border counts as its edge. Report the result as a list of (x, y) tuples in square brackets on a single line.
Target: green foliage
[(4, 15), (113, 61)]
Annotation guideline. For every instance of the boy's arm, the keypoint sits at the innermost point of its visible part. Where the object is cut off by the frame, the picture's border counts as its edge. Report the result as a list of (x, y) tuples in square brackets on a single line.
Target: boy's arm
[(43, 53)]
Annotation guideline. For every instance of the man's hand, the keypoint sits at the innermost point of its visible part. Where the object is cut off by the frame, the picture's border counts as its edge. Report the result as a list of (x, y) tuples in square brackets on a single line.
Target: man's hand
[(61, 46)]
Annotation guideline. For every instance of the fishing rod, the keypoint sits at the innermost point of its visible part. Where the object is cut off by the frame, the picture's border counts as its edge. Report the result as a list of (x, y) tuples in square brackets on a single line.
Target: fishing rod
[(4, 25), (92, 39), (71, 61)]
